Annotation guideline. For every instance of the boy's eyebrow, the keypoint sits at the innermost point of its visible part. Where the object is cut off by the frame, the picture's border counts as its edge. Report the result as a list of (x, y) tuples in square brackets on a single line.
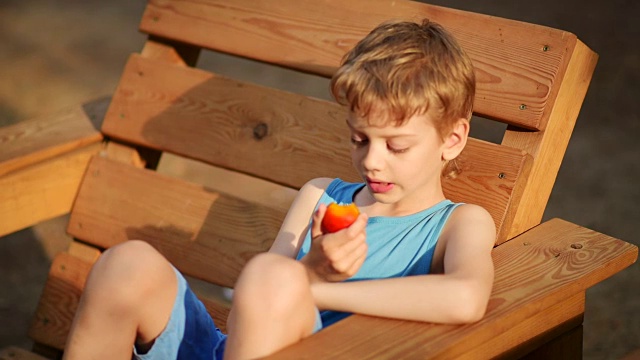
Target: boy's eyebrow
[(394, 136)]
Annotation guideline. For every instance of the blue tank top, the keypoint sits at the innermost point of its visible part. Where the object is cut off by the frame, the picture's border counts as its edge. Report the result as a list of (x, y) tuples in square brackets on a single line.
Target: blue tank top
[(397, 246)]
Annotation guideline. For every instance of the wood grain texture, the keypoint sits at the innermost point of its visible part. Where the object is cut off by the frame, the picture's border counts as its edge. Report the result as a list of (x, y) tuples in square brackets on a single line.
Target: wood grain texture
[(512, 66), (548, 146), (217, 120), (493, 177), (218, 311), (35, 140), (61, 295), (531, 333), (123, 153), (194, 113), (229, 182), (363, 337), (42, 191), (84, 251), (554, 263), (205, 234), (525, 304), (170, 51), (531, 77)]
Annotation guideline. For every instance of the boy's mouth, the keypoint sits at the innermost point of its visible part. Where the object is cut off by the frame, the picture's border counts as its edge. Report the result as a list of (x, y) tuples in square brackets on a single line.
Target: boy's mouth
[(379, 187)]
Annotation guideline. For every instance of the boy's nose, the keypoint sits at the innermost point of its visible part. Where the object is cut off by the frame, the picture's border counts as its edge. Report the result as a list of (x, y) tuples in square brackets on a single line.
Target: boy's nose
[(373, 159)]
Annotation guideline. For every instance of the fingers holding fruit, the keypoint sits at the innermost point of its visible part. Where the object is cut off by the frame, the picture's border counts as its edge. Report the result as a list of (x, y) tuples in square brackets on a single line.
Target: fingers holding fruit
[(337, 256), (345, 261)]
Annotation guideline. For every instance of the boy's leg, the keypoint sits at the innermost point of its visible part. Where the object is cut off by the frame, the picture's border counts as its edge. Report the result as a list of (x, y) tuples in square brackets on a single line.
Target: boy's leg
[(129, 295), (272, 307)]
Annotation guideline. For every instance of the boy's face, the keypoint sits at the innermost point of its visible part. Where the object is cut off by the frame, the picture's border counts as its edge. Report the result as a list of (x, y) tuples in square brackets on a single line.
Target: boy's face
[(401, 165)]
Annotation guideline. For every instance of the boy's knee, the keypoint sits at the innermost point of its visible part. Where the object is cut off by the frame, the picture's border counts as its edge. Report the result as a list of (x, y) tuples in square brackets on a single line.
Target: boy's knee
[(127, 269), (130, 257), (272, 279), (276, 270), (130, 249), (133, 284)]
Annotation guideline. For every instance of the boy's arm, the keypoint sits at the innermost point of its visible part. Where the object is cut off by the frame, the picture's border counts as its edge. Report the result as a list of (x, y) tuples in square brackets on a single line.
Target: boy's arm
[(459, 295), (332, 257), (296, 223)]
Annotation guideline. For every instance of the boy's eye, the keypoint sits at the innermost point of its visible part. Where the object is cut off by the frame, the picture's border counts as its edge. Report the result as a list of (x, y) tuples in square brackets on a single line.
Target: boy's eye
[(397, 150)]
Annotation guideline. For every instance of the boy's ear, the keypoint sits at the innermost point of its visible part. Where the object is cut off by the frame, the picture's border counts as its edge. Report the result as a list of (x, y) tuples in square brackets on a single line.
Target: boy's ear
[(456, 140)]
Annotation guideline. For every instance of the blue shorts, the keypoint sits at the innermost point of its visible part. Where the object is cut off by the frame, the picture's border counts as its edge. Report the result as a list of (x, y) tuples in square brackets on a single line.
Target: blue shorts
[(190, 333)]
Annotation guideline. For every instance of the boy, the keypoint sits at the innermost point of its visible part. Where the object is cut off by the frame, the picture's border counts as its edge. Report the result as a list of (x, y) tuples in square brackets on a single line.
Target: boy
[(409, 89)]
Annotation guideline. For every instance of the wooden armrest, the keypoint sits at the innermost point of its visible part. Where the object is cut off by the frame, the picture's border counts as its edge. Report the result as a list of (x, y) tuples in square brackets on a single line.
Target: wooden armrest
[(35, 140), (540, 283), (42, 161)]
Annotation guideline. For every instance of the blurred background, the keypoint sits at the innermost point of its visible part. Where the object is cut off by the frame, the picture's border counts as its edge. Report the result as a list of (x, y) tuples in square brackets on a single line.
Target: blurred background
[(57, 53)]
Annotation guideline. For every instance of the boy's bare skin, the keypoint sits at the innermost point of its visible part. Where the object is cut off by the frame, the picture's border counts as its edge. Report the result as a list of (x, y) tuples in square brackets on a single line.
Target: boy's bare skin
[(131, 289), (458, 289), (462, 261)]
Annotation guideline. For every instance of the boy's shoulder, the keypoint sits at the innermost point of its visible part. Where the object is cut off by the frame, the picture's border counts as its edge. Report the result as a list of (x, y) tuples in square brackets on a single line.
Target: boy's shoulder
[(469, 230), (316, 184), (313, 189), (468, 217), (334, 187), (466, 210)]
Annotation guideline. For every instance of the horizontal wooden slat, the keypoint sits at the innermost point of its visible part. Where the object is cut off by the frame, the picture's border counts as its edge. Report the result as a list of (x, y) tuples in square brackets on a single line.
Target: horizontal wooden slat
[(35, 140), (493, 177), (516, 63), (229, 182), (194, 113), (213, 119), (42, 191), (59, 300), (489, 177), (61, 295), (510, 345), (530, 333), (218, 311), (206, 235), (551, 264)]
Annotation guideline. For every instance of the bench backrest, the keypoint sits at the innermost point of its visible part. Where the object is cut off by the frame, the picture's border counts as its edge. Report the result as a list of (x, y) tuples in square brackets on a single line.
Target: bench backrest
[(261, 143), (523, 71)]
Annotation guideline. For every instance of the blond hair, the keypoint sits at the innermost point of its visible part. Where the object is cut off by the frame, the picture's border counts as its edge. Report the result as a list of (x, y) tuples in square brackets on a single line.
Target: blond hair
[(409, 69)]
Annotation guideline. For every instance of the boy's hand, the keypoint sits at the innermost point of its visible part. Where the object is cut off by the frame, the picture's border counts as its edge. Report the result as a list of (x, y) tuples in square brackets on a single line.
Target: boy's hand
[(335, 256)]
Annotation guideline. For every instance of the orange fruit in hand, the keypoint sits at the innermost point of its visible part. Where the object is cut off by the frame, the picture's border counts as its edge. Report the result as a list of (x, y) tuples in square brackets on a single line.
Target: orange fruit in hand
[(339, 217)]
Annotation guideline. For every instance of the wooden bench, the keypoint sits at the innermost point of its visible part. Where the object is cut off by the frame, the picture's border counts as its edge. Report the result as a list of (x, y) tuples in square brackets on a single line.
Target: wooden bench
[(246, 149)]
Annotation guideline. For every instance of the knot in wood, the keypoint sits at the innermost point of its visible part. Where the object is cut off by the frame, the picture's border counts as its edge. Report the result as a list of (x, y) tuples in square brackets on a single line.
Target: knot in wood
[(260, 131), (576, 246)]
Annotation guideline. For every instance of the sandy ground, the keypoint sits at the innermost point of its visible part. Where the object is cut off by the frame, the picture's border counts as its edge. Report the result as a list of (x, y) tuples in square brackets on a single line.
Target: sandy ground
[(56, 53)]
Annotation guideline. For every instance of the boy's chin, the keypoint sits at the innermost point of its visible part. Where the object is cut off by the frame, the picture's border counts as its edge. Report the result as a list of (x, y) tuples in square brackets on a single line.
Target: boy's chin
[(384, 198)]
